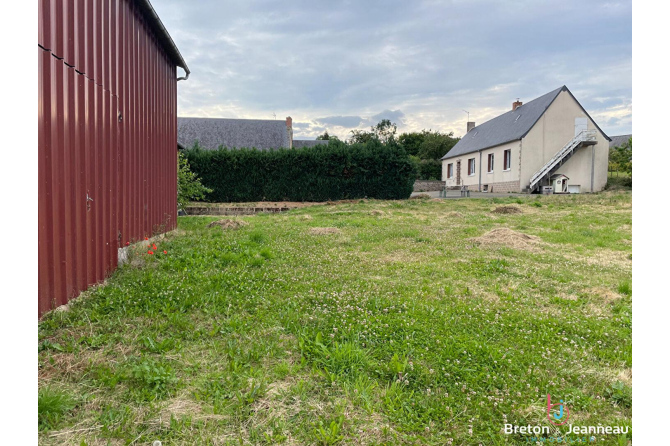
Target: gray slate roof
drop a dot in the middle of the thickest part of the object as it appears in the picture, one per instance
(510, 126)
(619, 140)
(232, 133)
(299, 143)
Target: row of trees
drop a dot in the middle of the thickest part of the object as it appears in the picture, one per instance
(621, 158)
(425, 148)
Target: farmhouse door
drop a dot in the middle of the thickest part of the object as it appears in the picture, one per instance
(458, 173)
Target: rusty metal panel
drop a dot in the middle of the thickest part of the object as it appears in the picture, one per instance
(107, 140)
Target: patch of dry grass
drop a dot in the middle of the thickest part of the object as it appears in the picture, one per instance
(324, 231)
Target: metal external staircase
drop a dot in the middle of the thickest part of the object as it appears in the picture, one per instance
(584, 138)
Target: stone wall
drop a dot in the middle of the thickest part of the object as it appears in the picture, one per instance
(224, 210)
(498, 188)
(428, 185)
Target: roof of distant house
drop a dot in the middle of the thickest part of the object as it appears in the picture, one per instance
(619, 140)
(510, 126)
(298, 143)
(211, 133)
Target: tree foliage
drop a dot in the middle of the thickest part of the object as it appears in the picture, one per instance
(384, 132)
(621, 157)
(435, 145)
(327, 137)
(412, 141)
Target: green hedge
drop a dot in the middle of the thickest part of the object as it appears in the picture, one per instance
(330, 172)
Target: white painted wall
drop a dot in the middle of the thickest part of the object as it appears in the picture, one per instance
(497, 176)
(552, 131)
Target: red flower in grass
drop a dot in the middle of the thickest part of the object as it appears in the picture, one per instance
(146, 238)
(127, 243)
(150, 253)
(154, 246)
(164, 252)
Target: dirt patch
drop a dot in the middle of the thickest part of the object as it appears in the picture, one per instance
(305, 217)
(509, 238)
(324, 231)
(378, 213)
(507, 210)
(420, 197)
(227, 223)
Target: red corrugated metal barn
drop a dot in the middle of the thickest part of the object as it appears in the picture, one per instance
(107, 124)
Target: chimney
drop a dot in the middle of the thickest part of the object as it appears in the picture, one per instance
(471, 125)
(516, 104)
(289, 130)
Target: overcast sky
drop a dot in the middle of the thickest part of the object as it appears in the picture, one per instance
(341, 65)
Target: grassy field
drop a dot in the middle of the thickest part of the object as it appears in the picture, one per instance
(375, 322)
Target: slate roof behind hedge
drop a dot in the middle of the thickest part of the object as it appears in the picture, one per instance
(211, 133)
(619, 140)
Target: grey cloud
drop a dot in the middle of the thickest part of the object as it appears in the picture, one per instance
(395, 116)
(341, 121)
(429, 59)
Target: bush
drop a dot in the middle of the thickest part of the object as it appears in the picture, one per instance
(329, 172)
(189, 187)
(618, 183)
(429, 170)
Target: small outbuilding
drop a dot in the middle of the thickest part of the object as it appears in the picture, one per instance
(559, 183)
(107, 133)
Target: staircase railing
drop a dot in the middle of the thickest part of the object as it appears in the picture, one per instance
(583, 136)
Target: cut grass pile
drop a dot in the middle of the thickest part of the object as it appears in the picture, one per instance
(509, 238)
(412, 322)
(227, 223)
(507, 210)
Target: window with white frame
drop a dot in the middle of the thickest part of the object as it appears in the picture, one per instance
(507, 162)
(471, 166)
(490, 163)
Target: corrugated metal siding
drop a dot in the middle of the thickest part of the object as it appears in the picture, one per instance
(107, 141)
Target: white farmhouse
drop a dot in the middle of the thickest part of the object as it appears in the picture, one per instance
(549, 141)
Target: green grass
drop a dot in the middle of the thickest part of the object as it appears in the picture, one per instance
(398, 329)
(52, 407)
